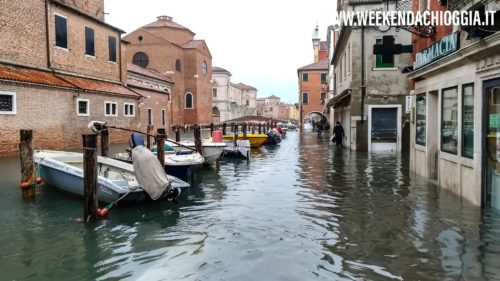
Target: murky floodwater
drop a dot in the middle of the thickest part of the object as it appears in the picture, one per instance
(299, 211)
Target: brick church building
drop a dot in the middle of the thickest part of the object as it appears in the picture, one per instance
(170, 49)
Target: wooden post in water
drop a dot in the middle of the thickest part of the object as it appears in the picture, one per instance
(260, 128)
(235, 133)
(197, 139)
(150, 129)
(177, 133)
(89, 178)
(27, 163)
(160, 145)
(104, 141)
(244, 129)
(211, 129)
(253, 128)
(224, 128)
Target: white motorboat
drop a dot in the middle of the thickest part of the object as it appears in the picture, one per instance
(211, 150)
(64, 171)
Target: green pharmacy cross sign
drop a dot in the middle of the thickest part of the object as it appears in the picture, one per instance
(388, 49)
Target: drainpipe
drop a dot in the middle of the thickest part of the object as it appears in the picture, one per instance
(363, 87)
(47, 37)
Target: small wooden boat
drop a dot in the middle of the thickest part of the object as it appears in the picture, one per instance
(256, 140)
(64, 171)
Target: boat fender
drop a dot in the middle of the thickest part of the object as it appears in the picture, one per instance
(27, 184)
(103, 212)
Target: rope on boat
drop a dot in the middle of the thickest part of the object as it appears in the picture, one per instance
(105, 211)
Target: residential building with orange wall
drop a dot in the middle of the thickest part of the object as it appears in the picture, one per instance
(171, 50)
(313, 88)
(313, 81)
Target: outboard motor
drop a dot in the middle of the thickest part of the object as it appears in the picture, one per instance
(173, 193)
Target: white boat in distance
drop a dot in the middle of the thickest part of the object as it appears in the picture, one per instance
(211, 150)
(64, 171)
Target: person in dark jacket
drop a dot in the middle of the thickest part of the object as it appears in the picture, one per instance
(338, 133)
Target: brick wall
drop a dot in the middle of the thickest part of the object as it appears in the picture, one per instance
(162, 58)
(22, 23)
(156, 101)
(93, 8)
(51, 114)
(74, 59)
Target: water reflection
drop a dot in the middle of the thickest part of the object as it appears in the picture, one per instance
(301, 210)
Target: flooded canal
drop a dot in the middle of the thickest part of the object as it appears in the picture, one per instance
(302, 210)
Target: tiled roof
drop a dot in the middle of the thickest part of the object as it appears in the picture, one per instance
(250, 118)
(193, 44)
(147, 72)
(166, 21)
(35, 76)
(243, 87)
(99, 86)
(216, 69)
(320, 65)
(20, 74)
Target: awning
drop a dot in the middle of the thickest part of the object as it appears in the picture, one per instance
(338, 98)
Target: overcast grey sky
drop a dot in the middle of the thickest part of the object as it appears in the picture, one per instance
(261, 42)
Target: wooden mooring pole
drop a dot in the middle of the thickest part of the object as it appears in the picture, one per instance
(89, 178)
(177, 133)
(244, 129)
(27, 164)
(104, 141)
(260, 128)
(224, 128)
(235, 132)
(150, 129)
(197, 139)
(160, 145)
(211, 129)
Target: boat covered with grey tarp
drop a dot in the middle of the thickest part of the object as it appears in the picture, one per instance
(64, 170)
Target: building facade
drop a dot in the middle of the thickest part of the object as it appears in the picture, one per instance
(171, 50)
(456, 105)
(155, 106)
(369, 91)
(60, 68)
(269, 107)
(313, 83)
(232, 100)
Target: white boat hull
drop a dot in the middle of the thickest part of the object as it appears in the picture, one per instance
(63, 170)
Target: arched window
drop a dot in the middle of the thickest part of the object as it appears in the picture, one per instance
(204, 68)
(189, 101)
(140, 59)
(178, 65)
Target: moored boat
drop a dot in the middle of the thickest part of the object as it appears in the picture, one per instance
(256, 140)
(211, 150)
(64, 171)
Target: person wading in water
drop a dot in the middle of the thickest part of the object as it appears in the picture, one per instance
(338, 133)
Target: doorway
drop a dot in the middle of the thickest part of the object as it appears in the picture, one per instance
(491, 145)
(384, 128)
